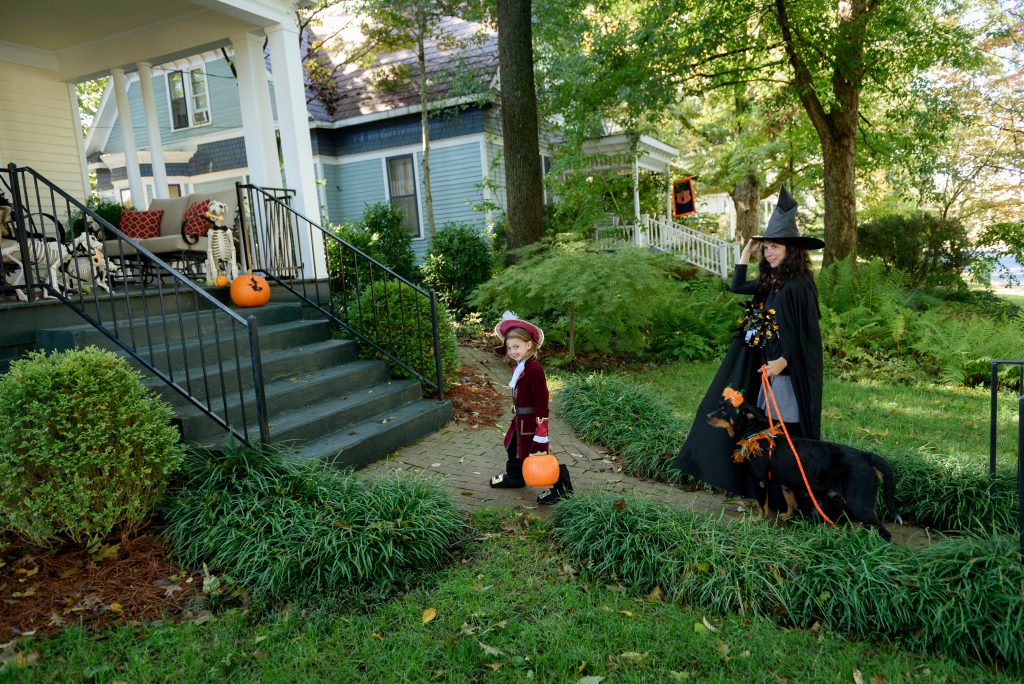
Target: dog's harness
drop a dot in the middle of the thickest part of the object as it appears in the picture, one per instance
(752, 447)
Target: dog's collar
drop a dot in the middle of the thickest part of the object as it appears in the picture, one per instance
(751, 447)
(216, 227)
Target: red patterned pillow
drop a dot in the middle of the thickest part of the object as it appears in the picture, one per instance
(195, 220)
(140, 225)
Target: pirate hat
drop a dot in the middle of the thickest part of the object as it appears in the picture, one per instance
(511, 320)
(782, 228)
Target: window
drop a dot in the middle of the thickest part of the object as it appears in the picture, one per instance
(190, 101)
(402, 188)
(126, 198)
(545, 164)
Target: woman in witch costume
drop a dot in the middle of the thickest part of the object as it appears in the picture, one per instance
(779, 333)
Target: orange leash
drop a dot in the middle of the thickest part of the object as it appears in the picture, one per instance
(766, 386)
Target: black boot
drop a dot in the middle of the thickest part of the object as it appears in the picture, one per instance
(561, 489)
(512, 478)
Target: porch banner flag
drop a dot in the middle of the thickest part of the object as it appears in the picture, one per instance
(683, 199)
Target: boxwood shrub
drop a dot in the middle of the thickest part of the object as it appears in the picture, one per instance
(84, 448)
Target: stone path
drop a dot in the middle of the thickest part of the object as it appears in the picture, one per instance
(463, 458)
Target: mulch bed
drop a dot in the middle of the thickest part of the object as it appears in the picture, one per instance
(475, 400)
(127, 581)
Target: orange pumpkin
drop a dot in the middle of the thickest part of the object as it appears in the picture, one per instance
(540, 470)
(222, 280)
(250, 290)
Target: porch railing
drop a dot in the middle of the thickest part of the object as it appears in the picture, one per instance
(705, 251)
(365, 298)
(996, 365)
(60, 249)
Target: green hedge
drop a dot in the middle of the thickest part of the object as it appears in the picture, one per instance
(962, 597)
(304, 531)
(636, 426)
(85, 449)
(642, 433)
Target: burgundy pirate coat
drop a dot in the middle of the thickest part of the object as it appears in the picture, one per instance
(530, 392)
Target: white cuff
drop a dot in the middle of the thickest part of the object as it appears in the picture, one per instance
(541, 440)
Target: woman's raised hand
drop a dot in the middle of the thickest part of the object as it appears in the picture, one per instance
(747, 251)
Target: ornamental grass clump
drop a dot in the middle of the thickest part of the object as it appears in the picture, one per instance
(85, 449)
(635, 425)
(962, 597)
(286, 530)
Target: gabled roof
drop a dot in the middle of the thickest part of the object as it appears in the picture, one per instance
(356, 94)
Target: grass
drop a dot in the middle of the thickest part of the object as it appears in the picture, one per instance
(951, 423)
(516, 610)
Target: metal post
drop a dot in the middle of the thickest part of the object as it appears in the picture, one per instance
(257, 380)
(1020, 463)
(992, 427)
(19, 212)
(437, 345)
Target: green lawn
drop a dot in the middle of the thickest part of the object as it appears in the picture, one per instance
(513, 610)
(933, 421)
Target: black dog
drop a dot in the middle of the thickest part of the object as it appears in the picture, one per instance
(842, 474)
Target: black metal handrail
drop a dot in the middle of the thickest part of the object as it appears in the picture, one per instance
(1020, 435)
(198, 346)
(292, 250)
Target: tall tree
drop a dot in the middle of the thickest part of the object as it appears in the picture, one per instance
(416, 25)
(523, 175)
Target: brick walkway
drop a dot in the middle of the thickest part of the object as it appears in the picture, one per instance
(464, 458)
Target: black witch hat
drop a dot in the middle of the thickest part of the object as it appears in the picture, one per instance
(782, 228)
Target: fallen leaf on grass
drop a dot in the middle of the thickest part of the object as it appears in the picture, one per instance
(105, 551)
(377, 636)
(656, 594)
(858, 678)
(27, 573)
(590, 679)
(21, 660)
(707, 624)
(170, 589)
(494, 666)
(723, 650)
(428, 615)
(633, 655)
(116, 608)
(31, 591)
(490, 650)
(627, 613)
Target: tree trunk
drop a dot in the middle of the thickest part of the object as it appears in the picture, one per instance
(840, 202)
(428, 198)
(523, 179)
(746, 196)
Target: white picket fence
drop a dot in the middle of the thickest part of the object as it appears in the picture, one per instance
(704, 251)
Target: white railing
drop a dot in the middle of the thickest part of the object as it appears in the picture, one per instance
(702, 250)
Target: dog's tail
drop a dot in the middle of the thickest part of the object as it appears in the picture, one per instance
(884, 472)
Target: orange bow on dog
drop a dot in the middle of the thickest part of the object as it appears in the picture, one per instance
(732, 396)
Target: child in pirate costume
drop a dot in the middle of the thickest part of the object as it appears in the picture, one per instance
(780, 333)
(528, 433)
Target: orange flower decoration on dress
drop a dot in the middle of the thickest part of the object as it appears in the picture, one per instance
(732, 396)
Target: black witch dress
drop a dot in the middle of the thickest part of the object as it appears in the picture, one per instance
(706, 454)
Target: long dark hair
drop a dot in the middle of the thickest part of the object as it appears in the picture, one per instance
(797, 262)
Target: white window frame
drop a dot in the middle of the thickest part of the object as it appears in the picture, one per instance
(193, 113)
(418, 235)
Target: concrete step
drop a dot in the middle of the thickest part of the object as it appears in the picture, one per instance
(309, 404)
(379, 435)
(161, 327)
(174, 355)
(341, 412)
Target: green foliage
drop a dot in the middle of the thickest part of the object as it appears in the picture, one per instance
(397, 318)
(458, 260)
(1003, 239)
(107, 209)
(84, 448)
(929, 249)
(379, 234)
(638, 428)
(596, 302)
(961, 597)
(585, 197)
(642, 432)
(696, 322)
(288, 531)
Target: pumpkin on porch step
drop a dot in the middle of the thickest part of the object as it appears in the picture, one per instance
(250, 290)
(540, 470)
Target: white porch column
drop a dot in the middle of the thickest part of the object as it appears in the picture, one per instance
(670, 201)
(131, 153)
(257, 116)
(293, 117)
(156, 146)
(636, 191)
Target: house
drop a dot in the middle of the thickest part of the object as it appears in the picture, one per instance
(224, 371)
(366, 143)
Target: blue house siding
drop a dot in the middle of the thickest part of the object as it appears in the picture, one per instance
(395, 132)
(350, 187)
(455, 178)
(225, 111)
